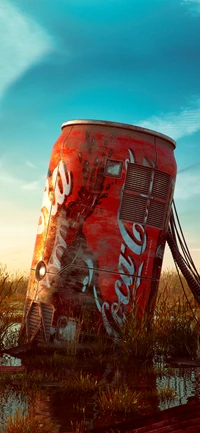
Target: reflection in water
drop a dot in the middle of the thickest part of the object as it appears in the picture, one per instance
(185, 384)
(65, 410)
(11, 401)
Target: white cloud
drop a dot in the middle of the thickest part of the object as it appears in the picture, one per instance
(194, 4)
(32, 186)
(23, 43)
(175, 125)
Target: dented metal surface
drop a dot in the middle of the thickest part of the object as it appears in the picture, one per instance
(102, 228)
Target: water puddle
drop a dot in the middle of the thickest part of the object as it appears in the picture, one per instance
(170, 387)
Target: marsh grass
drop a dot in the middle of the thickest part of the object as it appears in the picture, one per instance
(51, 362)
(12, 296)
(30, 383)
(166, 394)
(176, 327)
(118, 399)
(171, 288)
(82, 383)
(102, 347)
(162, 395)
(136, 338)
(21, 422)
(171, 332)
(24, 383)
(79, 425)
(161, 370)
(13, 286)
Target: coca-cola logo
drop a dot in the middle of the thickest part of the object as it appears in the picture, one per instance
(130, 273)
(57, 187)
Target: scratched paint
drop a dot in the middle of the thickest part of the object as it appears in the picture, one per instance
(103, 220)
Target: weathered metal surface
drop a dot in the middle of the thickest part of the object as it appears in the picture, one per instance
(102, 227)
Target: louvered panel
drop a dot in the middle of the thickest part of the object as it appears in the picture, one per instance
(33, 319)
(39, 324)
(40, 336)
(161, 185)
(47, 316)
(138, 178)
(156, 214)
(133, 208)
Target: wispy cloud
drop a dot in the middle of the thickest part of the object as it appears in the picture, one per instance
(189, 168)
(194, 4)
(8, 180)
(23, 43)
(197, 2)
(30, 164)
(32, 186)
(187, 185)
(176, 125)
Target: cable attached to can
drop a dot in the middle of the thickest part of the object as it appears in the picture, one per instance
(176, 241)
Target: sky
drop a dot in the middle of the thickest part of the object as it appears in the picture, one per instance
(128, 61)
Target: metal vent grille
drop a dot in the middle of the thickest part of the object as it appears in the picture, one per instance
(161, 185)
(133, 208)
(33, 320)
(138, 178)
(145, 195)
(156, 214)
(39, 321)
(47, 317)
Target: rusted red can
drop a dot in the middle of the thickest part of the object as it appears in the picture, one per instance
(102, 228)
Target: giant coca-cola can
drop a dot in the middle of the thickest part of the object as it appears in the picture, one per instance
(102, 227)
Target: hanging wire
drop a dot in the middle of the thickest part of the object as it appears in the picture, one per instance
(179, 238)
(193, 267)
(189, 270)
(183, 288)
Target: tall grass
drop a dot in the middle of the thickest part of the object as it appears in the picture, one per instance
(178, 316)
(21, 422)
(173, 330)
(173, 289)
(176, 329)
(12, 296)
(118, 399)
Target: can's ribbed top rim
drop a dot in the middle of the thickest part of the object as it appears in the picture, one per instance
(121, 126)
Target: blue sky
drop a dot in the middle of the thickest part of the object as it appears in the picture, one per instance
(131, 61)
